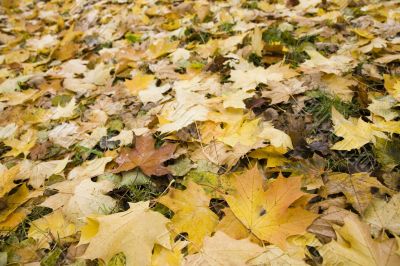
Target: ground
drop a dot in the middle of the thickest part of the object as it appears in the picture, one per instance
(199, 132)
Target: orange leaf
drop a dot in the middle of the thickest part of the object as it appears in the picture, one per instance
(267, 214)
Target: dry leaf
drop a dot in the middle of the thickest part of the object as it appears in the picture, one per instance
(191, 205)
(133, 232)
(266, 213)
(145, 156)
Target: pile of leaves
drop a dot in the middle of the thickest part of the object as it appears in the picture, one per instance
(199, 132)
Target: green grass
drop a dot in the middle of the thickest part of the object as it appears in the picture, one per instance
(320, 106)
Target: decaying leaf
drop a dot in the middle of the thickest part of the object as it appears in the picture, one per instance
(246, 132)
(358, 188)
(384, 215)
(355, 246)
(145, 156)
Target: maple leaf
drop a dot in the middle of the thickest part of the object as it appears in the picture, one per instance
(383, 107)
(392, 86)
(274, 256)
(191, 205)
(8, 131)
(88, 198)
(336, 64)
(274, 155)
(354, 246)
(249, 78)
(355, 133)
(188, 107)
(13, 220)
(64, 112)
(220, 249)
(266, 213)
(231, 226)
(384, 215)
(89, 169)
(356, 187)
(281, 91)
(7, 177)
(153, 93)
(51, 226)
(339, 86)
(145, 156)
(21, 145)
(133, 232)
(13, 201)
(65, 191)
(161, 47)
(37, 172)
(168, 257)
(138, 83)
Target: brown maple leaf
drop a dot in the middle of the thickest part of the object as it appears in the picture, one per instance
(145, 156)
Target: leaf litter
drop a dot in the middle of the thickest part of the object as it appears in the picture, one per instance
(199, 132)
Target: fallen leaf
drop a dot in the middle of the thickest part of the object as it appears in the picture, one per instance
(220, 249)
(38, 172)
(145, 156)
(89, 169)
(383, 215)
(89, 199)
(133, 232)
(7, 177)
(191, 205)
(138, 83)
(356, 187)
(355, 132)
(166, 257)
(51, 227)
(22, 145)
(266, 213)
(355, 246)
(392, 86)
(383, 107)
(13, 201)
(274, 256)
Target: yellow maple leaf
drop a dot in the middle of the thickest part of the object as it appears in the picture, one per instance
(245, 133)
(339, 86)
(274, 155)
(13, 220)
(221, 249)
(257, 42)
(355, 132)
(384, 215)
(392, 85)
(51, 226)
(356, 187)
(161, 47)
(192, 214)
(7, 177)
(354, 246)
(231, 226)
(133, 232)
(139, 82)
(166, 257)
(13, 201)
(266, 213)
(382, 106)
(21, 145)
